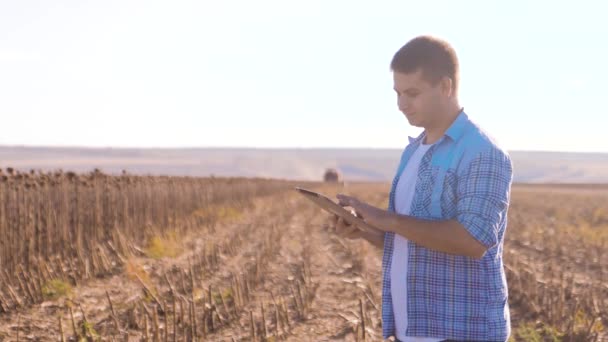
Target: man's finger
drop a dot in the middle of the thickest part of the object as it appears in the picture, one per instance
(344, 223)
(347, 201)
(353, 234)
(350, 233)
(341, 224)
(344, 200)
(341, 228)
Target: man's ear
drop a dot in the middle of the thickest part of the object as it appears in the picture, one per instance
(446, 86)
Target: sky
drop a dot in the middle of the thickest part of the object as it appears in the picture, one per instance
(266, 73)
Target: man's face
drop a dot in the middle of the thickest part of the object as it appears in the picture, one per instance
(417, 98)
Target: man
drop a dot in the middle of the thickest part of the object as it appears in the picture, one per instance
(443, 233)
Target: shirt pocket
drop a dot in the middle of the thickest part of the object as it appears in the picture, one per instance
(448, 196)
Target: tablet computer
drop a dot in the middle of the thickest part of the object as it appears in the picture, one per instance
(334, 208)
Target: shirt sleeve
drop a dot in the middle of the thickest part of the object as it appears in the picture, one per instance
(483, 195)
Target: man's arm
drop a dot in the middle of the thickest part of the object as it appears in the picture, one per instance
(443, 236)
(375, 238)
(346, 230)
(482, 203)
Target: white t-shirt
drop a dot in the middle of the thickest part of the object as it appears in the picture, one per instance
(404, 194)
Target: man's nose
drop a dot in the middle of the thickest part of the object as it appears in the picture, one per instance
(402, 103)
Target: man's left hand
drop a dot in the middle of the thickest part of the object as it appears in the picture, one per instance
(368, 213)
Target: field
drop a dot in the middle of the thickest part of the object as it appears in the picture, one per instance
(97, 257)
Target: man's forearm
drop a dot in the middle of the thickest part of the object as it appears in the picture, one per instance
(447, 236)
(376, 238)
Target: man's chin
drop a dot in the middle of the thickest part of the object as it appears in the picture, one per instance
(414, 122)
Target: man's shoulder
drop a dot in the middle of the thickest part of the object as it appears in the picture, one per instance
(478, 142)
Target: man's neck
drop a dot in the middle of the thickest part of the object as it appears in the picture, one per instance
(433, 134)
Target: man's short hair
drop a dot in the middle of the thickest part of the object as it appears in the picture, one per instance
(433, 56)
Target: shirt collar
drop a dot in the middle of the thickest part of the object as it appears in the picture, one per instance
(455, 130)
(458, 127)
(417, 139)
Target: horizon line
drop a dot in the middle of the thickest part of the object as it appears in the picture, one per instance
(258, 148)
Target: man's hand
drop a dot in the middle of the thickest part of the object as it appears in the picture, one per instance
(370, 214)
(344, 229)
(447, 236)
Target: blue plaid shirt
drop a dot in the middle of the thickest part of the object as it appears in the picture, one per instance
(464, 176)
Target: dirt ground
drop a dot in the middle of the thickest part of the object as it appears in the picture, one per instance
(284, 237)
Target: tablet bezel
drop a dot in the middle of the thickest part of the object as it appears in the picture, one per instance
(334, 208)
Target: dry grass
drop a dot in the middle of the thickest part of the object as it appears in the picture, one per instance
(556, 262)
(55, 289)
(167, 246)
(202, 260)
